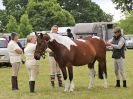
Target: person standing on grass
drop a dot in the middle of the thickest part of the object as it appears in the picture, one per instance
(15, 59)
(118, 44)
(55, 70)
(31, 63)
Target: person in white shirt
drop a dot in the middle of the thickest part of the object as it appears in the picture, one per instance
(54, 67)
(31, 63)
(15, 59)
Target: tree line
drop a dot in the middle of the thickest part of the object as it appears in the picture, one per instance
(126, 6)
(25, 16)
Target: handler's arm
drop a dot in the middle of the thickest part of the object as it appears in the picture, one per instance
(120, 44)
(18, 51)
(111, 40)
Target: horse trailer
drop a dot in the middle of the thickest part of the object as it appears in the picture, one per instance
(103, 30)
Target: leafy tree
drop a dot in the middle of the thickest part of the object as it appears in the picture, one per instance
(12, 25)
(84, 10)
(124, 5)
(25, 26)
(127, 24)
(44, 14)
(3, 20)
(15, 8)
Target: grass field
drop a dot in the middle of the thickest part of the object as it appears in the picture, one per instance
(81, 80)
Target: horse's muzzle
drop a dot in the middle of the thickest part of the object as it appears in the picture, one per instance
(37, 57)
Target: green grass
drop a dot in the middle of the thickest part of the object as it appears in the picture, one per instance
(81, 80)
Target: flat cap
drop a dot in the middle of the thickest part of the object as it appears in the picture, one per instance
(117, 29)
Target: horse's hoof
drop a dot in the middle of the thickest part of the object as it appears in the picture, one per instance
(89, 87)
(71, 90)
(105, 85)
(66, 90)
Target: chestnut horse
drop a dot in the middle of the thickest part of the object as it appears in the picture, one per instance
(70, 53)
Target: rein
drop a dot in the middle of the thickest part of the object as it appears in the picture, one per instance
(44, 51)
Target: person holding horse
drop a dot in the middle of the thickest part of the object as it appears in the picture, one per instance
(15, 59)
(118, 44)
(55, 70)
(31, 63)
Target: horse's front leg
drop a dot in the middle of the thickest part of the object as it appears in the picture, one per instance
(92, 75)
(70, 71)
(64, 72)
(105, 81)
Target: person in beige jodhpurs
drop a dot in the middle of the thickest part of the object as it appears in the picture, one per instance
(55, 70)
(31, 63)
(15, 59)
(118, 44)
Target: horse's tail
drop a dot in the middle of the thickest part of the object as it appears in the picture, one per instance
(102, 70)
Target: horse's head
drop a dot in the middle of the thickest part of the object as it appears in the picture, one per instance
(42, 44)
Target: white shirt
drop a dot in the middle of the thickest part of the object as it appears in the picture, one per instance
(14, 56)
(29, 54)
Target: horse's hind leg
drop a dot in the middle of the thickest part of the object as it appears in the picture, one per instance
(70, 71)
(64, 72)
(103, 71)
(92, 75)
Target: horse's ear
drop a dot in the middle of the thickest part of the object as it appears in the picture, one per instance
(36, 34)
(41, 35)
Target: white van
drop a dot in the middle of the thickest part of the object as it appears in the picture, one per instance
(129, 41)
(4, 55)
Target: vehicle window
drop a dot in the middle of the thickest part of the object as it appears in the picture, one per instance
(3, 44)
(129, 38)
(22, 42)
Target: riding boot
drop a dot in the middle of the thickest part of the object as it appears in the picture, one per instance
(59, 80)
(52, 78)
(14, 83)
(117, 83)
(17, 83)
(124, 83)
(32, 86)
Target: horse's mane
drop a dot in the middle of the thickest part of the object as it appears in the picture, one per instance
(64, 40)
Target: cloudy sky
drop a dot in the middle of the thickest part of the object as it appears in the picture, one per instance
(106, 5)
(1, 5)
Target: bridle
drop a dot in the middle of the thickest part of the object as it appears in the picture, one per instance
(43, 51)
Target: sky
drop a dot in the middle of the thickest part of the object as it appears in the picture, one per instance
(1, 5)
(109, 7)
(106, 5)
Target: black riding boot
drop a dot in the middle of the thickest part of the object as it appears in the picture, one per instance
(14, 83)
(117, 83)
(124, 83)
(32, 86)
(52, 78)
(59, 80)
